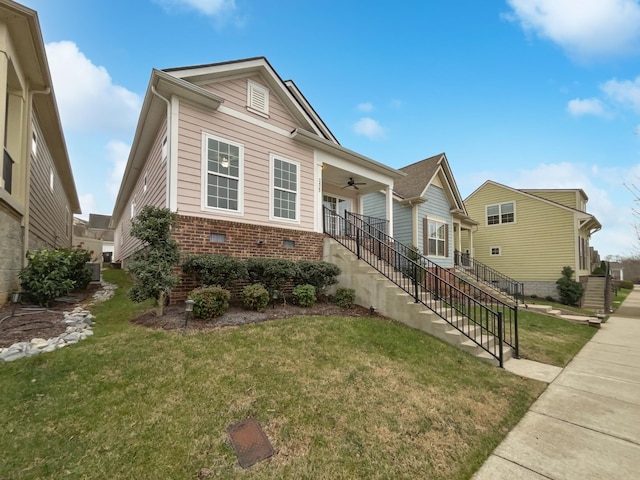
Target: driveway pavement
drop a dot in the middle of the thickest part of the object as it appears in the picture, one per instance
(586, 425)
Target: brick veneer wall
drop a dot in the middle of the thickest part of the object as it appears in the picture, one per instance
(242, 241)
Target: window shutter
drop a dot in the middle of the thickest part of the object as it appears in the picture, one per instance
(425, 236)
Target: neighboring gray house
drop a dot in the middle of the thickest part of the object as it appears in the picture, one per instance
(428, 211)
(94, 235)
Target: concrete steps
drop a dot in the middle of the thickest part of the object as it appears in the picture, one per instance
(375, 290)
(594, 294)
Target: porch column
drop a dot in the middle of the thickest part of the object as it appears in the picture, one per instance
(389, 195)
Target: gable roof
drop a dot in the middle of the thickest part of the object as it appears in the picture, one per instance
(586, 218)
(25, 32)
(421, 174)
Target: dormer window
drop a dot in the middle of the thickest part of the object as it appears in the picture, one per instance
(257, 98)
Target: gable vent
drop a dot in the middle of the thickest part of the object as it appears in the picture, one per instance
(258, 98)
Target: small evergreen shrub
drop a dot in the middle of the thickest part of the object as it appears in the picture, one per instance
(255, 297)
(345, 297)
(318, 274)
(569, 290)
(209, 301)
(305, 295)
(625, 284)
(273, 273)
(211, 269)
(549, 298)
(52, 273)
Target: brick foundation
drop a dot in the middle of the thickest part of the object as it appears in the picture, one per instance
(242, 241)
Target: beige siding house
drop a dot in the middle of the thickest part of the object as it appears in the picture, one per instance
(245, 162)
(37, 192)
(530, 235)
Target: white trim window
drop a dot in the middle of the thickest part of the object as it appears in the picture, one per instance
(501, 213)
(51, 177)
(133, 208)
(222, 182)
(285, 188)
(165, 149)
(495, 251)
(437, 238)
(257, 98)
(34, 141)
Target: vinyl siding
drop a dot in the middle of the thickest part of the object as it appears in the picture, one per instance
(568, 198)
(155, 169)
(258, 144)
(402, 222)
(234, 93)
(50, 218)
(375, 205)
(535, 247)
(436, 207)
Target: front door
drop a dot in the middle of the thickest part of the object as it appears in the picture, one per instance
(336, 206)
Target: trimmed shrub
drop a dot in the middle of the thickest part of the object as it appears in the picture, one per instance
(52, 273)
(318, 274)
(211, 269)
(345, 297)
(304, 295)
(273, 273)
(625, 284)
(209, 301)
(255, 297)
(569, 290)
(549, 298)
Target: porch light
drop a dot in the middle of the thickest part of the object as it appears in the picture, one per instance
(224, 162)
(188, 308)
(15, 299)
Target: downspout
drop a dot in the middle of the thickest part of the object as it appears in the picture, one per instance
(168, 133)
(27, 172)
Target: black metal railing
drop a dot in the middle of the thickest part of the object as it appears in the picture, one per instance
(489, 276)
(7, 171)
(486, 320)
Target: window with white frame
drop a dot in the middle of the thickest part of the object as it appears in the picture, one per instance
(144, 185)
(133, 208)
(285, 181)
(437, 238)
(51, 179)
(34, 142)
(164, 148)
(223, 162)
(501, 213)
(257, 98)
(495, 251)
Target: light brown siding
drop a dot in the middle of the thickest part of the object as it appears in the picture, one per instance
(258, 144)
(155, 169)
(568, 198)
(50, 219)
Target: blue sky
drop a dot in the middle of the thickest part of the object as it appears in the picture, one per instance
(529, 93)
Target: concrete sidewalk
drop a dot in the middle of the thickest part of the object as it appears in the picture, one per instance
(586, 425)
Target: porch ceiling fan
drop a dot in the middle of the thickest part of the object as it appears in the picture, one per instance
(353, 183)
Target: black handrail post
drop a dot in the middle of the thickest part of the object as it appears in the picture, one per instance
(415, 282)
(500, 327)
(358, 243)
(515, 331)
(324, 219)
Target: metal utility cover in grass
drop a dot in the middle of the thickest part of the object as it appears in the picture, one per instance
(250, 442)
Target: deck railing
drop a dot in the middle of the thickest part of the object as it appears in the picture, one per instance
(486, 320)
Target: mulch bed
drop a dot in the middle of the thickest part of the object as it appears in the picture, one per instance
(32, 321)
(174, 316)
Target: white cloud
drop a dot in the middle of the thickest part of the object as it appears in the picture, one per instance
(88, 205)
(586, 106)
(369, 128)
(117, 154)
(626, 92)
(365, 107)
(210, 8)
(583, 28)
(87, 98)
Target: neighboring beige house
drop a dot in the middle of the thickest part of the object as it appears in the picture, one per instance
(531, 234)
(245, 162)
(37, 192)
(94, 235)
(428, 211)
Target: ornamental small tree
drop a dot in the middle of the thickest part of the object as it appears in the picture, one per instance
(152, 266)
(569, 290)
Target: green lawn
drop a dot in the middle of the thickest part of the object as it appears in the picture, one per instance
(338, 398)
(620, 296)
(550, 340)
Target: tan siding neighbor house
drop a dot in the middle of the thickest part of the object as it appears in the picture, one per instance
(530, 235)
(37, 192)
(243, 159)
